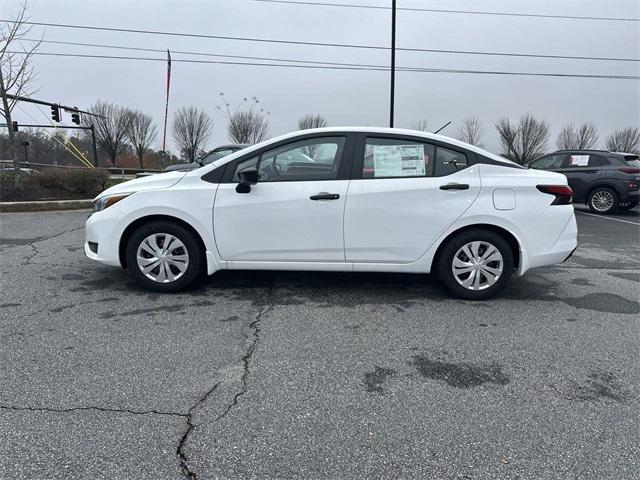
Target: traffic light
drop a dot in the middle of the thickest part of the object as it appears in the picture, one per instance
(55, 113)
(14, 125)
(75, 118)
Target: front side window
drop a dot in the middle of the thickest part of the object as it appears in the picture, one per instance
(251, 162)
(550, 161)
(386, 158)
(312, 159)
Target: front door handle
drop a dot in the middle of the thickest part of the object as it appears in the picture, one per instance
(325, 196)
(454, 186)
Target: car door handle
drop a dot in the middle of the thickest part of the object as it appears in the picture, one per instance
(325, 196)
(454, 186)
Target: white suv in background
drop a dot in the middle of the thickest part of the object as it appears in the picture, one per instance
(340, 199)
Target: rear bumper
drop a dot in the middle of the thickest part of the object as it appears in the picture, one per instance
(558, 252)
(633, 196)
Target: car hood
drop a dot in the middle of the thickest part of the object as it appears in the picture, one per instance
(152, 182)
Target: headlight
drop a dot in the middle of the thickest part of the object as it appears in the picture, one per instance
(108, 200)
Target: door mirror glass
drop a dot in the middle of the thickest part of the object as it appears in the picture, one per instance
(248, 176)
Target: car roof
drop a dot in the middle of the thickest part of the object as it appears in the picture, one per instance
(593, 150)
(401, 131)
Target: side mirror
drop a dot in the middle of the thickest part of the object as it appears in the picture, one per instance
(249, 176)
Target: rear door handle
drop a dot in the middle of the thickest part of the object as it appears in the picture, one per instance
(454, 186)
(325, 196)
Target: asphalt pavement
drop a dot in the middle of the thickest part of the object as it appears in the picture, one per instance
(317, 375)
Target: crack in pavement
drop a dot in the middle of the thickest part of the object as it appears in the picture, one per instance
(190, 426)
(35, 252)
(246, 359)
(255, 326)
(100, 409)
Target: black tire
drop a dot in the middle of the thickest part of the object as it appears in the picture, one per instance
(628, 206)
(454, 245)
(596, 203)
(195, 256)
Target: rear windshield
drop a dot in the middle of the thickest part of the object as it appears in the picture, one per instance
(629, 161)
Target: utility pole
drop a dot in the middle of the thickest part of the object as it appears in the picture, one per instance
(393, 62)
(95, 150)
(25, 144)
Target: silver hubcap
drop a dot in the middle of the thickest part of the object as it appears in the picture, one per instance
(477, 265)
(602, 200)
(162, 258)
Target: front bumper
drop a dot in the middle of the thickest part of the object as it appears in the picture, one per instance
(102, 228)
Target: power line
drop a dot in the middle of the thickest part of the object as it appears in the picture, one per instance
(198, 35)
(439, 10)
(354, 67)
(317, 44)
(425, 50)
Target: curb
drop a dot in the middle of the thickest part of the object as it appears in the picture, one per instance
(46, 205)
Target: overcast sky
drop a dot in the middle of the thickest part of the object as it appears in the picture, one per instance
(349, 97)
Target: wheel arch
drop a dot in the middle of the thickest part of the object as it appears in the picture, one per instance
(510, 238)
(603, 184)
(128, 231)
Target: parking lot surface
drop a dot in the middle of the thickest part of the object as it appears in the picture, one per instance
(317, 375)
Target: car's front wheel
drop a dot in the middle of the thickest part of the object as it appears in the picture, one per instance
(476, 264)
(603, 200)
(163, 256)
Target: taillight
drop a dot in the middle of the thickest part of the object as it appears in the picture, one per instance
(563, 193)
(629, 170)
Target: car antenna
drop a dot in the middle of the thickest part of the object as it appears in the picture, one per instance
(442, 127)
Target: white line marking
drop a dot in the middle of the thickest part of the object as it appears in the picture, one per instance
(607, 218)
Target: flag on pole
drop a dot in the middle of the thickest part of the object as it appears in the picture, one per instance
(166, 108)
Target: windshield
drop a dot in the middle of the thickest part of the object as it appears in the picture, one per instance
(216, 155)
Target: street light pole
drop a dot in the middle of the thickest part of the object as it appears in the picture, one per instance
(393, 62)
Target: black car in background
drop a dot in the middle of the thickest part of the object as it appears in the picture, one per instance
(212, 156)
(604, 180)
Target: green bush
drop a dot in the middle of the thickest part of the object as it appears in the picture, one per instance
(88, 181)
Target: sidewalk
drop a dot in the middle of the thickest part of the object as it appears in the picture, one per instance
(44, 205)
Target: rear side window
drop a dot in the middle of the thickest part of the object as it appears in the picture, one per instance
(449, 161)
(391, 158)
(550, 161)
(579, 161)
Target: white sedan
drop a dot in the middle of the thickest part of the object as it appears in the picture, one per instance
(340, 199)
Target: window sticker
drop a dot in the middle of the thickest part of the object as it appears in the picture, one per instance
(579, 160)
(398, 160)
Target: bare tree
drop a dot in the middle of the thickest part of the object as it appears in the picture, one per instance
(311, 121)
(421, 125)
(624, 140)
(111, 123)
(471, 131)
(245, 124)
(525, 140)
(583, 137)
(141, 133)
(192, 130)
(17, 74)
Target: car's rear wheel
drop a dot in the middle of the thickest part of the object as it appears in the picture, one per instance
(164, 256)
(476, 264)
(603, 200)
